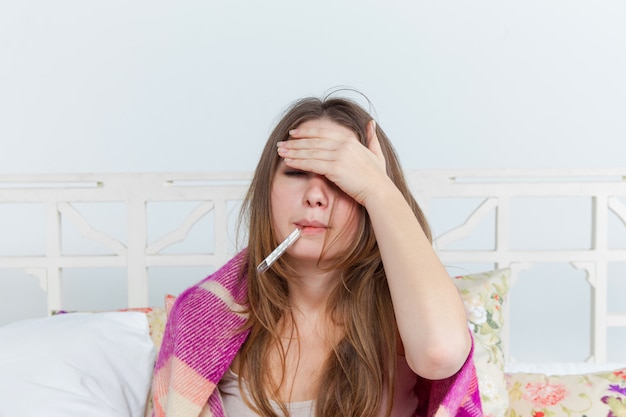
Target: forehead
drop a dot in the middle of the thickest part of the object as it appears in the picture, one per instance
(324, 123)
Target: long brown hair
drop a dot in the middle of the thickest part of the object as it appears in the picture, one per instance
(361, 371)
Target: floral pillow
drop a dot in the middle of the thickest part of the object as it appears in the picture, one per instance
(600, 394)
(483, 295)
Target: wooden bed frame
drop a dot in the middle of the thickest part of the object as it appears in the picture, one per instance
(483, 197)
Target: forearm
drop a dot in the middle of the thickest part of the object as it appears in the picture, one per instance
(429, 311)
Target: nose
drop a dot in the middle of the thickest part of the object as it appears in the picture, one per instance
(317, 192)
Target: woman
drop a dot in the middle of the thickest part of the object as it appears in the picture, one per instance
(357, 318)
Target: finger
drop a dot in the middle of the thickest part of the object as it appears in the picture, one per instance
(307, 149)
(306, 153)
(308, 143)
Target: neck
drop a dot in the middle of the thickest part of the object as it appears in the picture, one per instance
(310, 290)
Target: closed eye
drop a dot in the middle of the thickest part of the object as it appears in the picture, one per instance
(294, 172)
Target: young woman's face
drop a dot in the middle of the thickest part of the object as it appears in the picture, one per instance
(310, 202)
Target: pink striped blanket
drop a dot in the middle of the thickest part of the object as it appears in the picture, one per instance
(200, 343)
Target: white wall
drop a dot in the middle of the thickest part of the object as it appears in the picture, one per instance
(90, 86)
(191, 85)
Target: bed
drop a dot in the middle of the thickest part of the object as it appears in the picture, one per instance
(90, 262)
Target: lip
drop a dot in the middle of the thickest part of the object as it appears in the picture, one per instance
(311, 226)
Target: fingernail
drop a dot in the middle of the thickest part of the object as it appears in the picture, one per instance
(293, 132)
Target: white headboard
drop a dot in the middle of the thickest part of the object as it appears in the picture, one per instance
(498, 190)
(475, 216)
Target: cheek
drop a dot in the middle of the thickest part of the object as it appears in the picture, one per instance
(278, 197)
(280, 202)
(274, 204)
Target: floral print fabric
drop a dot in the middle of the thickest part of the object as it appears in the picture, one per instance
(484, 295)
(601, 394)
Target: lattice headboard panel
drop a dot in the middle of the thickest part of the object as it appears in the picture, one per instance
(60, 194)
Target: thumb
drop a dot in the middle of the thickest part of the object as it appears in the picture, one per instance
(372, 141)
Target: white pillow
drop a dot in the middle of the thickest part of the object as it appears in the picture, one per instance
(79, 364)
